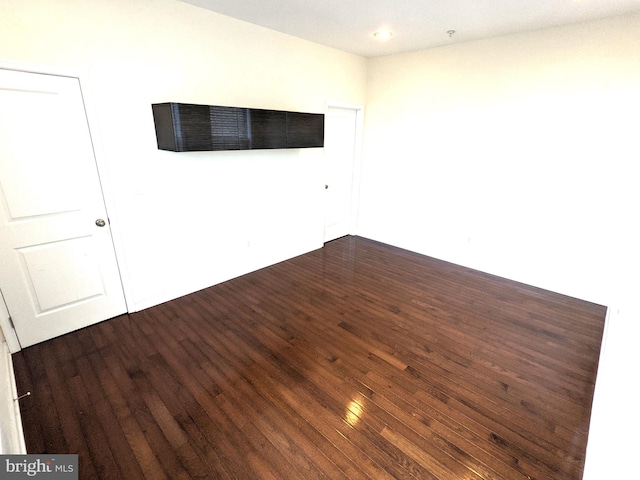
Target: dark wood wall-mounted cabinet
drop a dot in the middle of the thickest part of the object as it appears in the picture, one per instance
(182, 127)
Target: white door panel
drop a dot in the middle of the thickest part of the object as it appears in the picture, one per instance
(340, 141)
(59, 271)
(62, 273)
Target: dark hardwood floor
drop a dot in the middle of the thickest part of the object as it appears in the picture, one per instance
(358, 360)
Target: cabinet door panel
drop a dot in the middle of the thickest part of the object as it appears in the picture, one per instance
(305, 130)
(268, 129)
(193, 132)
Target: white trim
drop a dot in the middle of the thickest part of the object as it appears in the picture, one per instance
(45, 69)
(357, 160)
(7, 332)
(11, 433)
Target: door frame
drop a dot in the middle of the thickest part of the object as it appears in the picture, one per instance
(82, 76)
(357, 160)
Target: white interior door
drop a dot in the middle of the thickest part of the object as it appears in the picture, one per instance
(340, 152)
(59, 271)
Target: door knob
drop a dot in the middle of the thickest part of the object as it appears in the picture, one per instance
(100, 222)
(326, 186)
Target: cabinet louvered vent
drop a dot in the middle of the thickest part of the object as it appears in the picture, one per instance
(182, 127)
(229, 128)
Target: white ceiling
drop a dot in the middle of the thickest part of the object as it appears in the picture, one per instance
(417, 24)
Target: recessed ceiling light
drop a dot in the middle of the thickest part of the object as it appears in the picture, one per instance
(383, 35)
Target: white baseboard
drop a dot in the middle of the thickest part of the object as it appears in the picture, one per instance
(11, 434)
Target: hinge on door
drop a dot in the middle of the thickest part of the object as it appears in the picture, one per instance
(11, 322)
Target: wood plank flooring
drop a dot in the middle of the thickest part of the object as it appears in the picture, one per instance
(355, 361)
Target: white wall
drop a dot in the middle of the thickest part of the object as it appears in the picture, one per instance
(184, 221)
(515, 155)
(519, 156)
